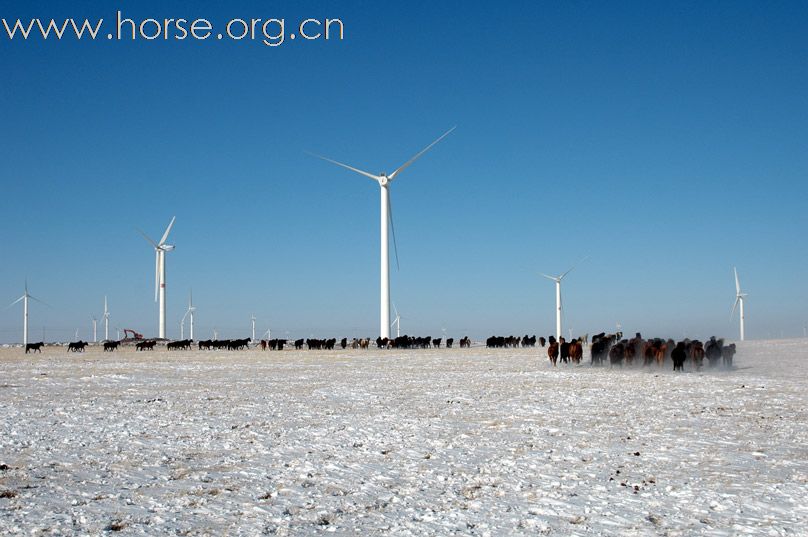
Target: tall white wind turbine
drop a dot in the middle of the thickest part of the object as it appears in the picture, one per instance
(386, 222)
(24, 299)
(190, 311)
(739, 298)
(252, 321)
(557, 280)
(106, 320)
(160, 249)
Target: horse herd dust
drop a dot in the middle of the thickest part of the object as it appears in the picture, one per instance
(473, 441)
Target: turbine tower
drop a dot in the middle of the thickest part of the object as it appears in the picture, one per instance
(386, 222)
(160, 249)
(95, 330)
(252, 321)
(106, 320)
(557, 280)
(24, 298)
(739, 297)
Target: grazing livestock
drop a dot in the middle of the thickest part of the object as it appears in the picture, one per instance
(728, 353)
(616, 354)
(343, 342)
(34, 347)
(449, 343)
(695, 352)
(679, 355)
(552, 352)
(183, 344)
(465, 342)
(714, 351)
(436, 342)
(110, 346)
(576, 351)
(145, 345)
(77, 346)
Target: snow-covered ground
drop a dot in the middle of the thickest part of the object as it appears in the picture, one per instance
(439, 442)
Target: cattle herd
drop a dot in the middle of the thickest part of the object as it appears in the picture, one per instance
(603, 348)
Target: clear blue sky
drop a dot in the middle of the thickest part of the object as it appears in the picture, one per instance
(667, 140)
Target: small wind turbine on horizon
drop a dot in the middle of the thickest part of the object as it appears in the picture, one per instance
(106, 320)
(95, 330)
(24, 298)
(160, 249)
(252, 321)
(190, 311)
(557, 280)
(739, 298)
(384, 180)
(397, 322)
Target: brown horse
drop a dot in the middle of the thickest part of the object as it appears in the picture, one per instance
(576, 351)
(552, 352)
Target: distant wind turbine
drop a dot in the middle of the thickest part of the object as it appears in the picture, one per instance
(739, 298)
(190, 311)
(24, 298)
(252, 321)
(95, 330)
(384, 181)
(106, 320)
(160, 249)
(557, 280)
(397, 322)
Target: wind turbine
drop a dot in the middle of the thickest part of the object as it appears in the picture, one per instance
(95, 330)
(252, 320)
(106, 320)
(396, 322)
(160, 249)
(739, 297)
(190, 311)
(24, 298)
(557, 280)
(386, 221)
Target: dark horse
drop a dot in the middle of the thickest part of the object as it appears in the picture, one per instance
(76, 346)
(110, 346)
(34, 347)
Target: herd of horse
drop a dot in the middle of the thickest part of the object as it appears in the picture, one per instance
(643, 352)
(603, 347)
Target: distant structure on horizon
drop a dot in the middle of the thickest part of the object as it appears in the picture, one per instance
(557, 280)
(24, 298)
(739, 298)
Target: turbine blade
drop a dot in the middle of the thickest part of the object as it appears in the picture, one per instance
(418, 155)
(392, 227)
(575, 265)
(156, 273)
(395, 309)
(16, 301)
(148, 239)
(40, 301)
(549, 277)
(735, 305)
(737, 283)
(356, 170)
(168, 230)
